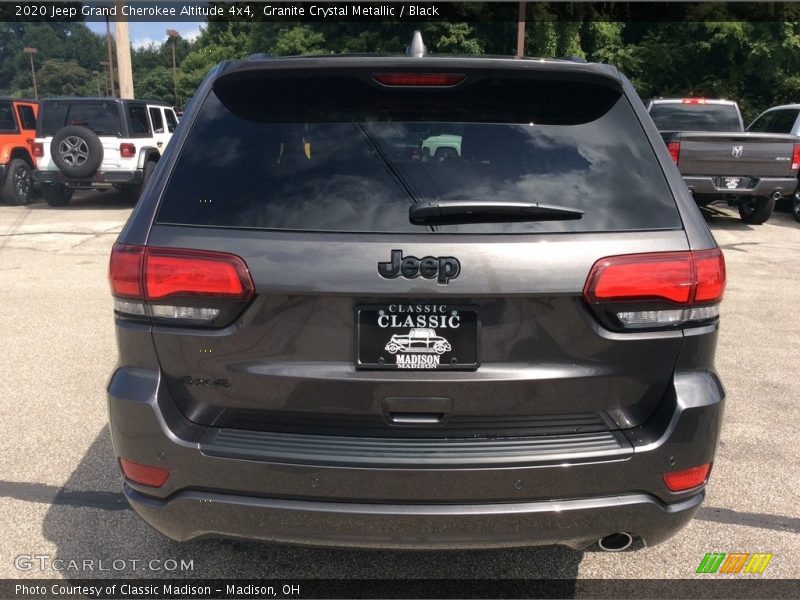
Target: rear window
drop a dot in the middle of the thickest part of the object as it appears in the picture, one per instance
(342, 154)
(695, 117)
(100, 117)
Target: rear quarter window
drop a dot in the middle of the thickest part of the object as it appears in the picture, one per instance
(26, 116)
(138, 123)
(341, 154)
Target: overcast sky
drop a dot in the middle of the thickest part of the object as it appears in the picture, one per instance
(143, 34)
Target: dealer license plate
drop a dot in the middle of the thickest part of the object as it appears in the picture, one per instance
(417, 335)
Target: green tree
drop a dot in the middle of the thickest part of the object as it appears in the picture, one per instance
(64, 78)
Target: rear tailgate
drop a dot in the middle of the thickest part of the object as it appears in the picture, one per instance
(308, 190)
(736, 154)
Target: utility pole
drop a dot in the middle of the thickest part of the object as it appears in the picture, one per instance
(110, 59)
(124, 55)
(174, 36)
(30, 52)
(521, 30)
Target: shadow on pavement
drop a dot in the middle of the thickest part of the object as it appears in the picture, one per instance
(83, 199)
(86, 521)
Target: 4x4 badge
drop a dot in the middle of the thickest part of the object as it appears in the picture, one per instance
(443, 268)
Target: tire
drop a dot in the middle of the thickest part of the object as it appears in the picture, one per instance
(77, 151)
(133, 192)
(439, 349)
(392, 348)
(756, 210)
(443, 154)
(56, 194)
(796, 208)
(149, 167)
(18, 184)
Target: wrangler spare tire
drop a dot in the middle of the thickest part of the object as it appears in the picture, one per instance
(77, 151)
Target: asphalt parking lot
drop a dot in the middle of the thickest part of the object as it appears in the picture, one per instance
(59, 484)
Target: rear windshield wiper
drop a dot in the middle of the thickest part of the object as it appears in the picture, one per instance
(455, 212)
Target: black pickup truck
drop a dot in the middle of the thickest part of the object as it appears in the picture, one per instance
(720, 161)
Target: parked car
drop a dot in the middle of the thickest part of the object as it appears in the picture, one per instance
(17, 130)
(442, 147)
(99, 143)
(719, 160)
(780, 119)
(281, 245)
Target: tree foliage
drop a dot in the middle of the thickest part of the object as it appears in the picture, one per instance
(754, 62)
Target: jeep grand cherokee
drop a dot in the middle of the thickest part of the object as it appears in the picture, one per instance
(281, 244)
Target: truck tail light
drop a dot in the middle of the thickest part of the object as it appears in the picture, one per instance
(179, 285)
(693, 101)
(796, 157)
(687, 479)
(127, 150)
(657, 290)
(674, 149)
(37, 149)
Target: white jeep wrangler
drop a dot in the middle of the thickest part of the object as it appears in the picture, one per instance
(99, 143)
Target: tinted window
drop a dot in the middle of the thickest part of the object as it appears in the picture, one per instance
(7, 123)
(100, 117)
(762, 123)
(158, 121)
(355, 163)
(172, 121)
(26, 116)
(780, 121)
(139, 125)
(695, 117)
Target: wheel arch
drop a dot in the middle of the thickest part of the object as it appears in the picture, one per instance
(22, 153)
(146, 154)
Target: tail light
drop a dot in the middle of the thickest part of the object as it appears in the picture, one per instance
(143, 474)
(179, 285)
(419, 79)
(693, 101)
(682, 481)
(657, 290)
(37, 149)
(127, 150)
(674, 149)
(796, 157)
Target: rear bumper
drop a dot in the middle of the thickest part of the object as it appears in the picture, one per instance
(347, 497)
(765, 186)
(575, 523)
(100, 179)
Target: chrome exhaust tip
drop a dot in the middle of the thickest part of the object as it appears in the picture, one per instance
(616, 542)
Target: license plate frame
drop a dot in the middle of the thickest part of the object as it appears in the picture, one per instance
(417, 336)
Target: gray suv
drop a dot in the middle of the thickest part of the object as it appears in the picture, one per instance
(283, 242)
